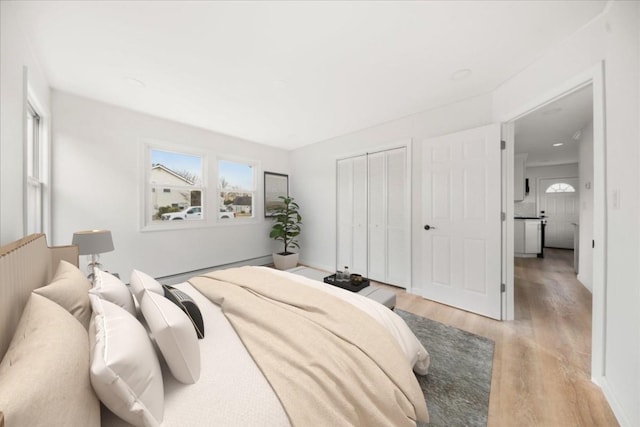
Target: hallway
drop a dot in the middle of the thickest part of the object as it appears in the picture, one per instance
(541, 369)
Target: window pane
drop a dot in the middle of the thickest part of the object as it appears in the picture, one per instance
(235, 176)
(560, 187)
(175, 168)
(240, 203)
(34, 207)
(33, 145)
(175, 189)
(177, 204)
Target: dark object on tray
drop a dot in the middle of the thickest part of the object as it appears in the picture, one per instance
(357, 282)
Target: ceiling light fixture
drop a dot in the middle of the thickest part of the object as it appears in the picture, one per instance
(558, 144)
(576, 136)
(461, 74)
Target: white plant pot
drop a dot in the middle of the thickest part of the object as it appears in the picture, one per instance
(285, 262)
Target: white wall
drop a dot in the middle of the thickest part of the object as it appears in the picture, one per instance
(97, 163)
(314, 171)
(16, 58)
(585, 252)
(613, 38)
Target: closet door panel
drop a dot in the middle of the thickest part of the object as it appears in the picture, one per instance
(344, 241)
(397, 259)
(397, 188)
(377, 217)
(359, 247)
(398, 256)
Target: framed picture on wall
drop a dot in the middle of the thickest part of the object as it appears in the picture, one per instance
(275, 185)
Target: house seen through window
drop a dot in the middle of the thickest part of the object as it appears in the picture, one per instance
(176, 186)
(236, 186)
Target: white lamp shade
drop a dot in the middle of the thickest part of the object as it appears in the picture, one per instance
(92, 242)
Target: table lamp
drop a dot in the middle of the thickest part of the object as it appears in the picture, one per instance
(93, 243)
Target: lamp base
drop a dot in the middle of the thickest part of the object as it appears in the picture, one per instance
(91, 267)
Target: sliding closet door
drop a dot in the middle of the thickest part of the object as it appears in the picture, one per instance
(389, 221)
(377, 217)
(373, 221)
(398, 219)
(352, 214)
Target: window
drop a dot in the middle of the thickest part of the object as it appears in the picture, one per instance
(236, 186)
(34, 197)
(560, 187)
(175, 187)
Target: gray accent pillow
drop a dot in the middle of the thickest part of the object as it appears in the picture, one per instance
(188, 305)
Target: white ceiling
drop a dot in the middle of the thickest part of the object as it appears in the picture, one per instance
(561, 121)
(289, 74)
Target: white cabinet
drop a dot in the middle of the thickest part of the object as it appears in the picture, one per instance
(518, 233)
(532, 234)
(519, 172)
(527, 237)
(374, 216)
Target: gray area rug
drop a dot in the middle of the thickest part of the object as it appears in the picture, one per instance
(458, 384)
(459, 381)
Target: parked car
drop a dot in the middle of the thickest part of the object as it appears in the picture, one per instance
(226, 214)
(190, 212)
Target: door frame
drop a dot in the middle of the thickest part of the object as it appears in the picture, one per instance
(593, 76)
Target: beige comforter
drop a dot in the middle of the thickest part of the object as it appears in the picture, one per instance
(328, 363)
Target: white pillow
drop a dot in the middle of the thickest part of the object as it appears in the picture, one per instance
(125, 372)
(175, 336)
(141, 281)
(112, 289)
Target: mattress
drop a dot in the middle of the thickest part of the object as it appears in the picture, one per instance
(231, 390)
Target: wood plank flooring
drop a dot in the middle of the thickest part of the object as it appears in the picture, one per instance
(541, 365)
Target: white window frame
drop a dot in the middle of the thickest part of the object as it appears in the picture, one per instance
(147, 224)
(560, 187)
(36, 197)
(254, 192)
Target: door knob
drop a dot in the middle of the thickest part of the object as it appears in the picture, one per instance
(428, 227)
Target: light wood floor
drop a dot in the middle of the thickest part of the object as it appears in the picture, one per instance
(541, 364)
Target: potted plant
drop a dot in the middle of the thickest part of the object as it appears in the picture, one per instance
(286, 229)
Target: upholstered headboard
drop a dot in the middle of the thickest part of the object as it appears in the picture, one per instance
(25, 265)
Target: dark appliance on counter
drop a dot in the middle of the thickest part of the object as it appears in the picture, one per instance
(543, 224)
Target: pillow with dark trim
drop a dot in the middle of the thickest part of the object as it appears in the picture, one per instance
(188, 305)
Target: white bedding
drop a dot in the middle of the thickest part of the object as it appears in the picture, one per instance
(231, 390)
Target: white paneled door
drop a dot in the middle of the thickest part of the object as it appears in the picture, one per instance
(559, 199)
(461, 235)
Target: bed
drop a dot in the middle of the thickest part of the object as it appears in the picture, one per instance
(277, 349)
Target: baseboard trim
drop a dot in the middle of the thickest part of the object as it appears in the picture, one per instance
(583, 282)
(609, 395)
(173, 279)
(303, 262)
